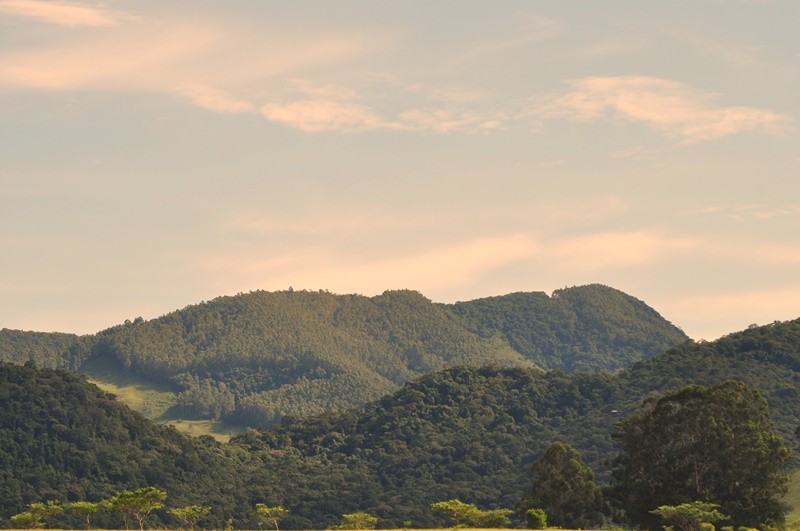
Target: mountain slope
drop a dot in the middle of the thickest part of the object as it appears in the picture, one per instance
(46, 349)
(250, 359)
(64, 439)
(583, 329)
(472, 433)
(466, 432)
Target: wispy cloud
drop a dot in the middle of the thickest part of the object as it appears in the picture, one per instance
(315, 116)
(63, 13)
(214, 65)
(668, 106)
(317, 108)
(215, 100)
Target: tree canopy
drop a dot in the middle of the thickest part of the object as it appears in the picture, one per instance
(564, 487)
(253, 358)
(468, 433)
(716, 444)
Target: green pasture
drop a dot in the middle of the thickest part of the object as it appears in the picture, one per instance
(154, 401)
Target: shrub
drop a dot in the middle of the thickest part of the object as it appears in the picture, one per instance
(537, 519)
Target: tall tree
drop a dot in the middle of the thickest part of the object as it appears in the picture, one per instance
(137, 504)
(190, 515)
(271, 515)
(84, 509)
(565, 488)
(715, 444)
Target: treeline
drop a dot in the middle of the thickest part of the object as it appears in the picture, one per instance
(254, 358)
(468, 433)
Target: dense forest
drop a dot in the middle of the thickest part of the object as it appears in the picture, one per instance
(253, 358)
(468, 433)
(587, 329)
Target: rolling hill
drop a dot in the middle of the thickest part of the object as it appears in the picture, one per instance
(250, 359)
(465, 432)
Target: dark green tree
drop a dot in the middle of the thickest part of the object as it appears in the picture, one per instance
(716, 444)
(565, 488)
(536, 518)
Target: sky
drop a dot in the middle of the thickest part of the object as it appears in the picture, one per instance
(158, 154)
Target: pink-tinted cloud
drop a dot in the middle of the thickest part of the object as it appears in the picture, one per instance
(62, 13)
(215, 100)
(668, 106)
(220, 68)
(315, 116)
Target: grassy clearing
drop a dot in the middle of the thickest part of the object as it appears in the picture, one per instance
(153, 401)
(219, 430)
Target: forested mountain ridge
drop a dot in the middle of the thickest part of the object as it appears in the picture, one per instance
(45, 349)
(590, 328)
(472, 433)
(467, 433)
(255, 357)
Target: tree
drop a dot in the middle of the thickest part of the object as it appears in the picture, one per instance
(84, 509)
(689, 516)
(359, 520)
(716, 444)
(27, 520)
(269, 515)
(190, 515)
(37, 515)
(492, 518)
(565, 488)
(137, 504)
(536, 518)
(460, 512)
(467, 514)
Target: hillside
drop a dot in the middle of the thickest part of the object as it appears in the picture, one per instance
(45, 349)
(467, 432)
(252, 358)
(584, 329)
(62, 438)
(472, 433)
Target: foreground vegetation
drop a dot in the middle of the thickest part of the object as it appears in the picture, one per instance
(471, 434)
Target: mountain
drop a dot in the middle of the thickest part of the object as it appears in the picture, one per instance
(253, 358)
(584, 329)
(466, 432)
(472, 433)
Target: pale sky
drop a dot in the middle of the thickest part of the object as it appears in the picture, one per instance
(154, 154)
